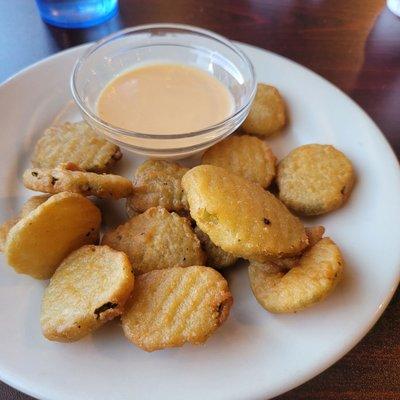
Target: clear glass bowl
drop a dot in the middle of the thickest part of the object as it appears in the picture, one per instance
(168, 43)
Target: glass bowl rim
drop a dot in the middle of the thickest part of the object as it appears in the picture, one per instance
(189, 28)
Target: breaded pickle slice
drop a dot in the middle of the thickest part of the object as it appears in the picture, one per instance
(314, 179)
(314, 235)
(89, 288)
(241, 217)
(216, 257)
(156, 239)
(37, 243)
(157, 183)
(67, 179)
(267, 113)
(246, 156)
(313, 277)
(76, 143)
(28, 206)
(173, 306)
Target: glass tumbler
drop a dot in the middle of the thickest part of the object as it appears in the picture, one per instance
(76, 13)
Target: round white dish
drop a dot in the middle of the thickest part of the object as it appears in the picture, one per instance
(254, 355)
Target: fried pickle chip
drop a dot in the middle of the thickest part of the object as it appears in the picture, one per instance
(67, 178)
(29, 206)
(76, 143)
(315, 179)
(267, 113)
(37, 243)
(156, 239)
(240, 216)
(246, 156)
(308, 282)
(89, 288)
(216, 257)
(32, 203)
(157, 183)
(4, 229)
(173, 306)
(314, 235)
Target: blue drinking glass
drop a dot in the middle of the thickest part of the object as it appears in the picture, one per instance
(76, 13)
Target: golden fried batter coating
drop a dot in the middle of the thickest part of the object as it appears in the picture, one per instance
(157, 183)
(173, 306)
(38, 242)
(89, 288)
(314, 235)
(308, 282)
(246, 156)
(315, 179)
(67, 179)
(216, 257)
(267, 114)
(32, 203)
(156, 239)
(29, 206)
(76, 143)
(241, 217)
(4, 229)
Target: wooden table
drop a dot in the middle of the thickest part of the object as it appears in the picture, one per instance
(355, 44)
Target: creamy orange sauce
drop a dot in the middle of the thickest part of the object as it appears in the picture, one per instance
(164, 99)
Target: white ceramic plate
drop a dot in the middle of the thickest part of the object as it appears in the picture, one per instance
(254, 355)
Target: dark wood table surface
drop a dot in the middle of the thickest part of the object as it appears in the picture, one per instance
(355, 44)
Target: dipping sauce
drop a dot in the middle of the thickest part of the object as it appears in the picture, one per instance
(165, 99)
